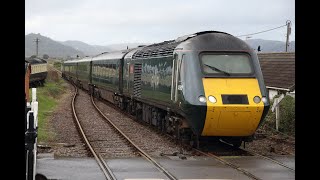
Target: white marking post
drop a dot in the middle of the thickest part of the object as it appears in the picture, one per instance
(276, 106)
(34, 108)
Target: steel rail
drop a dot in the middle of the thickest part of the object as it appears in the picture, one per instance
(267, 158)
(142, 153)
(210, 155)
(229, 164)
(262, 156)
(103, 166)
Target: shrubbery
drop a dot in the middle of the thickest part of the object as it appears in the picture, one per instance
(287, 116)
(57, 65)
(48, 96)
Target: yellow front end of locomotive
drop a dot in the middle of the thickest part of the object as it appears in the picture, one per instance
(225, 119)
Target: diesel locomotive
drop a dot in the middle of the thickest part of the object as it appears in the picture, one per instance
(197, 88)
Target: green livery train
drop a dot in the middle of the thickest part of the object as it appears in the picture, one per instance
(197, 88)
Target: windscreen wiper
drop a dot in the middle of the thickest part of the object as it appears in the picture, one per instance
(216, 69)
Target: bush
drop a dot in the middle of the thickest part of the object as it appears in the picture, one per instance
(57, 65)
(54, 89)
(287, 116)
(54, 85)
(45, 56)
(52, 76)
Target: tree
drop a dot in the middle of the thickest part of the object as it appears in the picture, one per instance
(45, 56)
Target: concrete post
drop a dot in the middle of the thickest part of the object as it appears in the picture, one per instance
(277, 114)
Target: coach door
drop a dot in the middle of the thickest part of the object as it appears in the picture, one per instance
(128, 76)
(175, 77)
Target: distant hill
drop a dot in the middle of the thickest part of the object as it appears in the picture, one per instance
(87, 49)
(270, 45)
(90, 50)
(65, 49)
(48, 46)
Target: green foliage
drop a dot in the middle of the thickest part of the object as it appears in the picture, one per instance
(287, 116)
(53, 76)
(45, 56)
(47, 97)
(53, 89)
(57, 65)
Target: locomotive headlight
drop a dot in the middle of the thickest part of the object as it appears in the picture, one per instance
(257, 99)
(202, 99)
(212, 99)
(264, 99)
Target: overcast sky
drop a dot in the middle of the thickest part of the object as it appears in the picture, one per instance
(103, 22)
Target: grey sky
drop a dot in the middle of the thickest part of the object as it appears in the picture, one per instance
(103, 22)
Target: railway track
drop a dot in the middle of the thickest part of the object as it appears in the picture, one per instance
(98, 156)
(237, 167)
(106, 170)
(213, 155)
(232, 165)
(102, 164)
(267, 158)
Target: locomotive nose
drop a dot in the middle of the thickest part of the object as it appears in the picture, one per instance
(234, 109)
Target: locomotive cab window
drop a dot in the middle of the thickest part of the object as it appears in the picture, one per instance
(226, 64)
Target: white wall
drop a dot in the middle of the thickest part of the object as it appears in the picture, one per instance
(272, 93)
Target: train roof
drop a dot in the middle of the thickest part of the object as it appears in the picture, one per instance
(35, 60)
(186, 37)
(85, 59)
(71, 61)
(204, 40)
(166, 48)
(213, 41)
(111, 55)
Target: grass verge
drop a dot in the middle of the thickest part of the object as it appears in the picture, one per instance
(48, 97)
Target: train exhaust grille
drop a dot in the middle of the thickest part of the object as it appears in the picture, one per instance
(137, 80)
(234, 99)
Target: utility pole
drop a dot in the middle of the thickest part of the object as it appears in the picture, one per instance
(288, 33)
(37, 41)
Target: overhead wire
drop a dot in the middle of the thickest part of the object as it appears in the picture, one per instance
(262, 31)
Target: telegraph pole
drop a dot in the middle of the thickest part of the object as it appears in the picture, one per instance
(37, 41)
(288, 33)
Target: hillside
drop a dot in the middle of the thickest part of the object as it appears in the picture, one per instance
(49, 47)
(87, 49)
(97, 49)
(73, 48)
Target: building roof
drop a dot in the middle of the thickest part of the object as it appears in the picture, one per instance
(278, 70)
